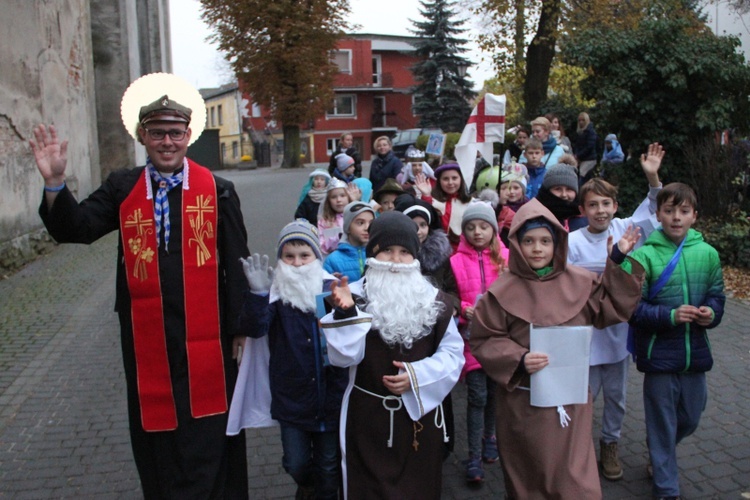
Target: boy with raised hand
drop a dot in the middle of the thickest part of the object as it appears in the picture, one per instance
(349, 257)
(587, 248)
(683, 297)
(306, 392)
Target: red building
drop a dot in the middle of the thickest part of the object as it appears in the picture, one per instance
(373, 97)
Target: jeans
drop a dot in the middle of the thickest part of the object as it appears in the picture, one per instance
(480, 410)
(673, 403)
(612, 380)
(312, 459)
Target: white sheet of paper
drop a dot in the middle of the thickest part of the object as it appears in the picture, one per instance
(565, 380)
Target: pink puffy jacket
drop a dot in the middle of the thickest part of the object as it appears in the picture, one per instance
(474, 273)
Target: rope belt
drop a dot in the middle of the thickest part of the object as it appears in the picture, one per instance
(394, 403)
(564, 417)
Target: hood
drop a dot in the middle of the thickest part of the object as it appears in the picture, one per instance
(434, 252)
(552, 299)
(518, 265)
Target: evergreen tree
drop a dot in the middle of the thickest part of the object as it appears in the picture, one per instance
(441, 97)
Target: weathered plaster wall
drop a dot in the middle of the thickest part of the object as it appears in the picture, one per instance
(68, 63)
(48, 77)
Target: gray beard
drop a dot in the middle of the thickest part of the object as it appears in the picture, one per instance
(401, 301)
(298, 286)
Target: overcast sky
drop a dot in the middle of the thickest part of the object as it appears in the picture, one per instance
(194, 59)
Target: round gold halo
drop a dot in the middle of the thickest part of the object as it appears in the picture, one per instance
(149, 88)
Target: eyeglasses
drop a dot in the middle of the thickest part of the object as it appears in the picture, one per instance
(157, 134)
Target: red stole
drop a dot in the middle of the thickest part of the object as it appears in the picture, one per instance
(200, 275)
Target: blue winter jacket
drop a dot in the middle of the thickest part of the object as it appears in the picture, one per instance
(660, 345)
(305, 391)
(347, 260)
(382, 168)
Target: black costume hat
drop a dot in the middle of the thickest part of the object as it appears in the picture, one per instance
(392, 228)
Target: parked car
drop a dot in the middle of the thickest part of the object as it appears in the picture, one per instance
(407, 137)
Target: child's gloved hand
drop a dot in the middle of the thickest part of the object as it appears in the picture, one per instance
(258, 273)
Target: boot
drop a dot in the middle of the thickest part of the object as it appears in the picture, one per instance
(611, 467)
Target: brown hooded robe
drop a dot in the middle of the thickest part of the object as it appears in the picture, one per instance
(542, 459)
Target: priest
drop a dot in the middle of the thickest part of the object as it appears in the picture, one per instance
(179, 290)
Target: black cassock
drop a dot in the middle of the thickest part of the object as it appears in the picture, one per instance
(197, 460)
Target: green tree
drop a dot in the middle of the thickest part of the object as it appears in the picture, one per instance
(518, 27)
(668, 80)
(280, 52)
(442, 94)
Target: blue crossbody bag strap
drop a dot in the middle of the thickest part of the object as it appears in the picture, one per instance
(656, 288)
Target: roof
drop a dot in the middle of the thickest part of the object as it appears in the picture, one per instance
(394, 43)
(217, 91)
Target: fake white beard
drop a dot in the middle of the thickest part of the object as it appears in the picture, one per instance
(401, 301)
(298, 286)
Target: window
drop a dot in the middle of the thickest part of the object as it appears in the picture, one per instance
(342, 59)
(223, 151)
(331, 145)
(221, 115)
(256, 110)
(343, 105)
(235, 149)
(377, 71)
(213, 116)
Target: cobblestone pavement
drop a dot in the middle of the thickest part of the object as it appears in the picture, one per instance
(63, 424)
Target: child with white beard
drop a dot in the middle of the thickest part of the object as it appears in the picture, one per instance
(306, 391)
(404, 354)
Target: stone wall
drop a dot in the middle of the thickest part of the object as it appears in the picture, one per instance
(68, 63)
(47, 77)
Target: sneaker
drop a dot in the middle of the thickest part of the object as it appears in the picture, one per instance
(611, 467)
(490, 454)
(474, 472)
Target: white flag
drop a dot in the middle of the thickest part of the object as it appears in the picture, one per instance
(485, 126)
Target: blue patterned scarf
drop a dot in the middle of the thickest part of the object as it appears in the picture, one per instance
(161, 203)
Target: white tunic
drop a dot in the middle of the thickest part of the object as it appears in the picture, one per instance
(589, 250)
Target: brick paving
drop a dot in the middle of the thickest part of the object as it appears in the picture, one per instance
(63, 424)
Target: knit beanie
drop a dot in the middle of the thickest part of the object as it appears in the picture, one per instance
(300, 230)
(479, 210)
(561, 175)
(415, 207)
(343, 161)
(515, 172)
(352, 210)
(320, 172)
(392, 228)
(521, 181)
(534, 224)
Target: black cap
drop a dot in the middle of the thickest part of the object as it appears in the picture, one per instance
(392, 228)
(166, 110)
